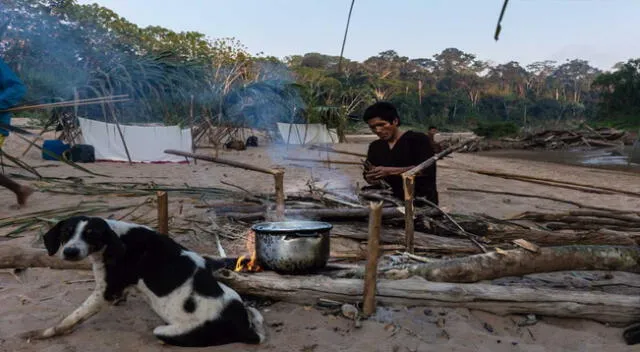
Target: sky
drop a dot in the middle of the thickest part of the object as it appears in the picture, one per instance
(603, 32)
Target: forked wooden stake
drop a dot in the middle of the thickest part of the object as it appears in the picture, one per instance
(373, 251)
(163, 212)
(409, 191)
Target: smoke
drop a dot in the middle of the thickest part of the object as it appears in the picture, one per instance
(57, 49)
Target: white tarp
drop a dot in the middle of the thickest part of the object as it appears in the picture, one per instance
(146, 144)
(301, 133)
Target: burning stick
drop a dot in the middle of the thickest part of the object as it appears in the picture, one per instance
(163, 212)
(373, 251)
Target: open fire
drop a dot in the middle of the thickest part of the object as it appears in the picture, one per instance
(250, 263)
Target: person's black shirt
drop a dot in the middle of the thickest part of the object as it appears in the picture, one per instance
(410, 149)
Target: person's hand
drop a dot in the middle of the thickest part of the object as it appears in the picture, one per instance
(378, 172)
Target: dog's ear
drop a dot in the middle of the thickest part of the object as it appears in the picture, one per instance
(53, 237)
(114, 246)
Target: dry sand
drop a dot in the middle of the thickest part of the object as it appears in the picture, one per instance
(38, 298)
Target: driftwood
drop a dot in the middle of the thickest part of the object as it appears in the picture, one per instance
(501, 300)
(519, 262)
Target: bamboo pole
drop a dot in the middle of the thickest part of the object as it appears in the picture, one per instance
(163, 212)
(373, 252)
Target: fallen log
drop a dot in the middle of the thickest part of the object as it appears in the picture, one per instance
(518, 262)
(501, 300)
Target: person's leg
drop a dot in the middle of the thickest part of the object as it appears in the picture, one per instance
(22, 192)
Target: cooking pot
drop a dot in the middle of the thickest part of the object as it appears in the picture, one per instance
(292, 247)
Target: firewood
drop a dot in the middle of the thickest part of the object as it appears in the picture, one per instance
(519, 262)
(501, 300)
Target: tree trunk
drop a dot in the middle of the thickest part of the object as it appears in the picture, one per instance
(501, 300)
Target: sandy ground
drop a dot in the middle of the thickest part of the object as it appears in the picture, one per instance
(38, 298)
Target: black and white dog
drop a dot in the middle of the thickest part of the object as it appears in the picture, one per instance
(176, 282)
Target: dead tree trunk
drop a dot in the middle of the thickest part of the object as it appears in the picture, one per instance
(501, 300)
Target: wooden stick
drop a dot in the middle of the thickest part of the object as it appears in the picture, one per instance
(525, 195)
(550, 181)
(163, 212)
(66, 103)
(501, 300)
(373, 252)
(409, 188)
(425, 164)
(223, 161)
(329, 149)
(345, 162)
(279, 183)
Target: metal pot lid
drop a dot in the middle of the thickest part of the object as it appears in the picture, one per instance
(297, 226)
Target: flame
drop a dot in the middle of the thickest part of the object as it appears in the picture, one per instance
(249, 265)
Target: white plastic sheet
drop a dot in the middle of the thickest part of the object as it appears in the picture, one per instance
(146, 144)
(300, 133)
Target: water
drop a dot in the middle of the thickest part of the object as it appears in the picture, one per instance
(622, 159)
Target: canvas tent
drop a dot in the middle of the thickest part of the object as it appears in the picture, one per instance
(145, 143)
(303, 133)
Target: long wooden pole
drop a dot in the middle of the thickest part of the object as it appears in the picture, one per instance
(373, 252)
(223, 161)
(163, 212)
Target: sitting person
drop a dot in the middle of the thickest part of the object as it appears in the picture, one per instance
(396, 152)
(431, 132)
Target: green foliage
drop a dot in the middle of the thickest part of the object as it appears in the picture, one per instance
(58, 47)
(496, 129)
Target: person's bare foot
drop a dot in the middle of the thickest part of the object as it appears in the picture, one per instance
(23, 195)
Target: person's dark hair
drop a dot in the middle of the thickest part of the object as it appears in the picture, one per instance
(432, 128)
(383, 110)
